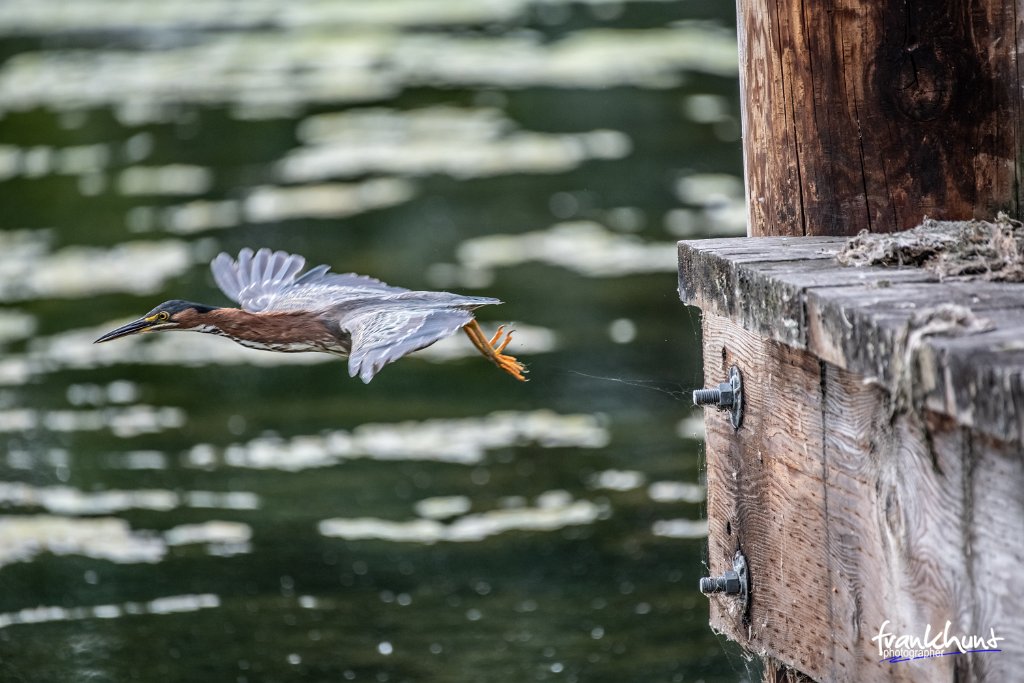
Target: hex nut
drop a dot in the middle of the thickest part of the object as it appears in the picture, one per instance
(727, 395)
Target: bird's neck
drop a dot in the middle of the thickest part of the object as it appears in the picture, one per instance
(275, 331)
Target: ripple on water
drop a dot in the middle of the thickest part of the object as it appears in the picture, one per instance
(676, 492)
(124, 422)
(680, 528)
(270, 203)
(617, 480)
(460, 142)
(171, 604)
(76, 271)
(443, 507)
(269, 73)
(129, 15)
(691, 427)
(43, 160)
(460, 440)
(172, 179)
(66, 500)
(553, 510)
(221, 538)
(584, 247)
(22, 538)
(16, 325)
(721, 206)
(118, 391)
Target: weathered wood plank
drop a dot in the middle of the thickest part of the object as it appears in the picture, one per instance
(855, 413)
(895, 501)
(994, 543)
(861, 319)
(765, 496)
(773, 248)
(922, 507)
(851, 516)
(975, 378)
(981, 381)
(765, 289)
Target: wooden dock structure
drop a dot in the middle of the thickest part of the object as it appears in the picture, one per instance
(875, 486)
(878, 474)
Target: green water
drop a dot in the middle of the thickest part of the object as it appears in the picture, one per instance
(176, 508)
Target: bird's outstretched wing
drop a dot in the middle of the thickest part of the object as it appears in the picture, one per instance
(385, 334)
(269, 281)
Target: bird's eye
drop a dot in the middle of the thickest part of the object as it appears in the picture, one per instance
(162, 316)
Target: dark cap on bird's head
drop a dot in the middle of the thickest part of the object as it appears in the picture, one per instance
(160, 318)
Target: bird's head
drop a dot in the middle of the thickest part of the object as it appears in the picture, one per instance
(170, 315)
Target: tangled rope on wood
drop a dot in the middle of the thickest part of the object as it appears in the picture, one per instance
(989, 250)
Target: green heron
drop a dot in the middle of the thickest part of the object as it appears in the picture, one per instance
(351, 315)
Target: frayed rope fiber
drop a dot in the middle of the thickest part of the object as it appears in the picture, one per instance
(988, 250)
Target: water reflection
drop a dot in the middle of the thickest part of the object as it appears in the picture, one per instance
(55, 15)
(69, 501)
(172, 604)
(585, 247)
(553, 510)
(463, 143)
(462, 441)
(269, 204)
(44, 160)
(181, 508)
(29, 271)
(123, 422)
(269, 74)
(23, 538)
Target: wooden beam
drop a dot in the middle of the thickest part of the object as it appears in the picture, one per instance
(793, 291)
(868, 114)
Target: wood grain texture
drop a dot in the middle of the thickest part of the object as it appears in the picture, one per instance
(994, 543)
(861, 319)
(765, 496)
(851, 515)
(861, 114)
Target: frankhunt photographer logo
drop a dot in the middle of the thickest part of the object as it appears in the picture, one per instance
(895, 648)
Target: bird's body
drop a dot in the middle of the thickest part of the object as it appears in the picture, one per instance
(291, 332)
(348, 315)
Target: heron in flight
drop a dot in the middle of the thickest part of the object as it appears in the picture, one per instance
(348, 315)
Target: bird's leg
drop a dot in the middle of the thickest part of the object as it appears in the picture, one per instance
(493, 349)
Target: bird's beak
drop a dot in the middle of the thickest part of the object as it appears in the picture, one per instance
(134, 327)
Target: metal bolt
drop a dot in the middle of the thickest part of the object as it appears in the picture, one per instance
(726, 396)
(733, 582)
(729, 583)
(721, 396)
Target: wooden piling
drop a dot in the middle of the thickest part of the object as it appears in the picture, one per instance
(868, 114)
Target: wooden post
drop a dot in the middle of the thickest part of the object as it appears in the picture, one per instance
(870, 114)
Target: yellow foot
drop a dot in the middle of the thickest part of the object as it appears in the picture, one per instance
(493, 349)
